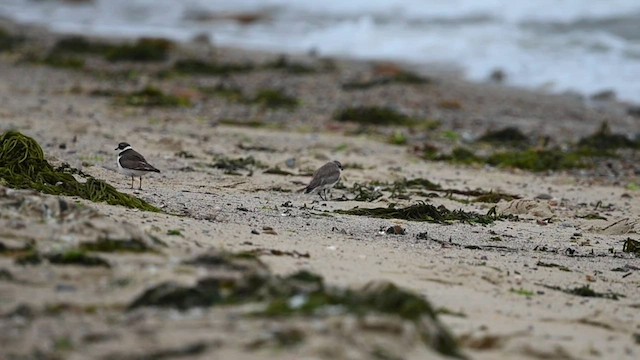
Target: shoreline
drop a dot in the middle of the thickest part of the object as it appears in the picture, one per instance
(502, 289)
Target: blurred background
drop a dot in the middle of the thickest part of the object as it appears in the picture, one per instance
(581, 46)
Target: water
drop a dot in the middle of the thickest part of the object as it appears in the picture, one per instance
(584, 46)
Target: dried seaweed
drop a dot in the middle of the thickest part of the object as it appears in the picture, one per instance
(425, 212)
(631, 246)
(374, 115)
(23, 166)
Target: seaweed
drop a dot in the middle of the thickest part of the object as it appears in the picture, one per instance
(585, 291)
(110, 246)
(398, 138)
(152, 96)
(80, 45)
(538, 160)
(233, 166)
(193, 66)
(374, 115)
(230, 93)
(365, 192)
(509, 136)
(403, 77)
(422, 211)
(271, 98)
(604, 139)
(299, 294)
(267, 98)
(283, 63)
(553, 265)
(631, 246)
(62, 61)
(9, 41)
(23, 166)
(76, 257)
(145, 49)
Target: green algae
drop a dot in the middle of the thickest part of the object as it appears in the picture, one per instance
(284, 64)
(509, 136)
(23, 166)
(115, 246)
(194, 66)
(274, 99)
(76, 257)
(9, 41)
(152, 96)
(374, 115)
(144, 50)
(604, 139)
(404, 77)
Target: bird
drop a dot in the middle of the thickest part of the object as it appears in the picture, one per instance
(131, 163)
(326, 177)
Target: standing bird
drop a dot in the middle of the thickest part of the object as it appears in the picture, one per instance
(326, 177)
(131, 163)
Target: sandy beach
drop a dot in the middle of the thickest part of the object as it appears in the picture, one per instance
(549, 279)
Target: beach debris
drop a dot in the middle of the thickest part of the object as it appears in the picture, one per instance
(396, 230)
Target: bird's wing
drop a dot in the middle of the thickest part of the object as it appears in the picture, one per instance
(131, 159)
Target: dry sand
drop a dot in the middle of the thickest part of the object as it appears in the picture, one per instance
(489, 281)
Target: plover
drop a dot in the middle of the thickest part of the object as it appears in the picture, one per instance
(326, 177)
(131, 163)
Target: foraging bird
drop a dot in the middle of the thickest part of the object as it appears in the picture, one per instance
(131, 163)
(326, 177)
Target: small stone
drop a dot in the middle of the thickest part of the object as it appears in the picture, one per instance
(396, 230)
(255, 232)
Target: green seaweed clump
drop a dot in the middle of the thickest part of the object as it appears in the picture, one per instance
(403, 77)
(76, 257)
(283, 63)
(80, 45)
(63, 61)
(374, 115)
(509, 136)
(604, 139)
(23, 166)
(111, 246)
(366, 192)
(270, 98)
(8, 41)
(424, 212)
(539, 160)
(152, 96)
(192, 66)
(146, 49)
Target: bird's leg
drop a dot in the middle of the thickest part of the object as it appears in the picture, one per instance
(132, 182)
(140, 188)
(320, 193)
(329, 193)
